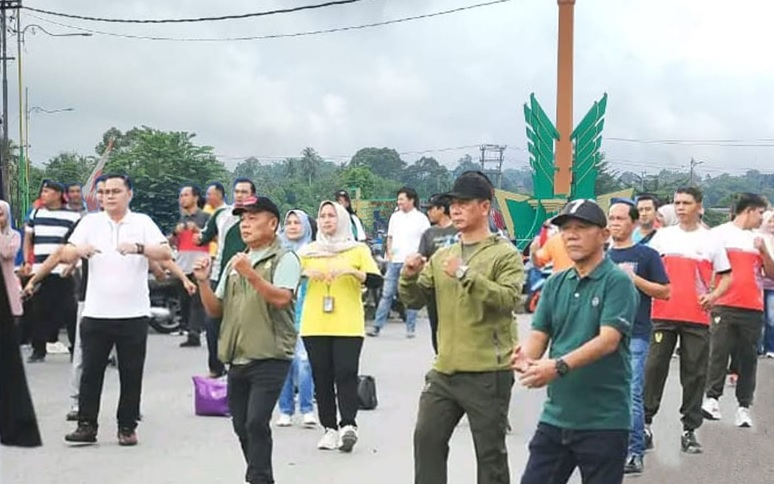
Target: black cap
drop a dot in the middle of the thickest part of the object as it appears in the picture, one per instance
(584, 210)
(256, 204)
(53, 186)
(472, 185)
(438, 200)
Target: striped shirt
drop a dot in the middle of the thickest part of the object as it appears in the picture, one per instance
(49, 230)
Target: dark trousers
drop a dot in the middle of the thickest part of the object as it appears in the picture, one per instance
(253, 390)
(485, 398)
(212, 327)
(432, 315)
(191, 311)
(694, 357)
(335, 364)
(554, 453)
(54, 307)
(98, 337)
(734, 331)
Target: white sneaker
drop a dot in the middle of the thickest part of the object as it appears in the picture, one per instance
(347, 438)
(309, 420)
(329, 441)
(743, 418)
(285, 420)
(56, 348)
(711, 409)
(770, 354)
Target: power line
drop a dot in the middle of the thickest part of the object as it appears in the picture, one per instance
(734, 143)
(275, 36)
(332, 3)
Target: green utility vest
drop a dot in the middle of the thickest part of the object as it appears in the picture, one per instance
(251, 328)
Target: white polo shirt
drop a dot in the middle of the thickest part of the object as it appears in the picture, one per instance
(118, 284)
(406, 229)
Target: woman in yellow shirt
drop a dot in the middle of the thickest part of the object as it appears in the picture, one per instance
(333, 321)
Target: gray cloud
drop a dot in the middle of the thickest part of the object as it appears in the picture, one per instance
(443, 82)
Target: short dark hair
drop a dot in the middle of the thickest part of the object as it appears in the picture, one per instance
(743, 201)
(692, 191)
(218, 186)
(71, 185)
(195, 190)
(634, 214)
(411, 194)
(246, 180)
(648, 196)
(99, 179)
(125, 178)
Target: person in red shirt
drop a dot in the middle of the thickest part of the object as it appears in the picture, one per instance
(737, 316)
(690, 257)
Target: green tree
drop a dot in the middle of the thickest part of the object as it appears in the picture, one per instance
(309, 164)
(70, 167)
(159, 163)
(249, 168)
(383, 162)
(427, 177)
(464, 164)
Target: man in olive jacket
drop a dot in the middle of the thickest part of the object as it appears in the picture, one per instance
(255, 298)
(475, 282)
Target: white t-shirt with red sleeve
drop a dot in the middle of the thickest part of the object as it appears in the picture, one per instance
(746, 291)
(690, 258)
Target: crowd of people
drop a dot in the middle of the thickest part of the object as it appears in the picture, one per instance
(280, 300)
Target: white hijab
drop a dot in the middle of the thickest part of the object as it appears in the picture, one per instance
(330, 245)
(8, 229)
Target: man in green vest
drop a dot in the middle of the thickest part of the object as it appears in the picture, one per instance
(255, 299)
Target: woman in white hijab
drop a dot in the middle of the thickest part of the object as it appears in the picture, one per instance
(333, 321)
(10, 241)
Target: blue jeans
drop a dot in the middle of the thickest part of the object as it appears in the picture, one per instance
(389, 290)
(300, 375)
(554, 453)
(768, 327)
(639, 348)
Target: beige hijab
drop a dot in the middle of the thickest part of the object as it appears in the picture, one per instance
(330, 245)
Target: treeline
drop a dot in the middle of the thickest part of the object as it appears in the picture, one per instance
(159, 162)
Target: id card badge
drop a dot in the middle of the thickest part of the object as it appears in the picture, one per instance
(328, 304)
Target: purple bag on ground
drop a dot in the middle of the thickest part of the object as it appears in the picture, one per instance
(210, 397)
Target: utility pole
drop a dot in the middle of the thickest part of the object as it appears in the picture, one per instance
(5, 6)
(492, 157)
(694, 164)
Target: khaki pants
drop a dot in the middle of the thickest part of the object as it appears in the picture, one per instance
(485, 398)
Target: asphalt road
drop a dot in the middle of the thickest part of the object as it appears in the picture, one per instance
(177, 447)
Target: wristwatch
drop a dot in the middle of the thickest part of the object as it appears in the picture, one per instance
(461, 271)
(562, 368)
(140, 248)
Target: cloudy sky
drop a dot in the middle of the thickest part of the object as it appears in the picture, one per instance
(674, 70)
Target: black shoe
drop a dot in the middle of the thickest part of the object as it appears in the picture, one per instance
(689, 443)
(72, 416)
(86, 433)
(648, 438)
(634, 465)
(191, 343)
(127, 437)
(36, 358)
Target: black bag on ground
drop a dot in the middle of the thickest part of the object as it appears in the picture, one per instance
(366, 392)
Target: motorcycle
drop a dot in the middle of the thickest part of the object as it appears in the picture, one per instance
(165, 315)
(536, 279)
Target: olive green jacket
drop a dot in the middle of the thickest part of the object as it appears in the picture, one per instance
(475, 314)
(253, 329)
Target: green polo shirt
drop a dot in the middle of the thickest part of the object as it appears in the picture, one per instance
(571, 311)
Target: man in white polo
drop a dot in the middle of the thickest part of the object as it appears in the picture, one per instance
(118, 243)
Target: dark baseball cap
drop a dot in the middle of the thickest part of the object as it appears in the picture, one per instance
(584, 210)
(53, 186)
(472, 185)
(256, 204)
(438, 200)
